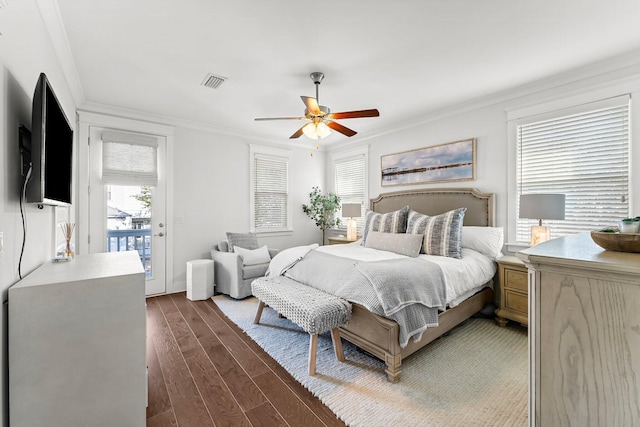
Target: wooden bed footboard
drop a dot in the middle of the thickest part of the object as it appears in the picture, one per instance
(380, 336)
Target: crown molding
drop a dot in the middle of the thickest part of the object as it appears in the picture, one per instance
(97, 108)
(50, 15)
(606, 73)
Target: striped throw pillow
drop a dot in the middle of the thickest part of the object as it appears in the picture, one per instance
(392, 222)
(442, 233)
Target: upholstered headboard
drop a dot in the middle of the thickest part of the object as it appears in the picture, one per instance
(480, 206)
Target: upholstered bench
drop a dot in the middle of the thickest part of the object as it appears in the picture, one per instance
(313, 310)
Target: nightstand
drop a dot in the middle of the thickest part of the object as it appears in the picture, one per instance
(339, 240)
(514, 291)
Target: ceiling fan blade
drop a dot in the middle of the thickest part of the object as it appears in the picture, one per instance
(339, 128)
(297, 134)
(312, 105)
(279, 118)
(355, 114)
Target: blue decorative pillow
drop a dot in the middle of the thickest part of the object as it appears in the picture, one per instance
(442, 233)
(392, 222)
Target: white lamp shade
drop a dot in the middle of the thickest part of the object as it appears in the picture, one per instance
(351, 210)
(542, 206)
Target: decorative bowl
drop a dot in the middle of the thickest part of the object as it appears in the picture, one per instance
(616, 241)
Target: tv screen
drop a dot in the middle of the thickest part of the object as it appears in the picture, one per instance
(51, 149)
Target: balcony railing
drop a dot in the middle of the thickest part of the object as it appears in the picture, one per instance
(132, 240)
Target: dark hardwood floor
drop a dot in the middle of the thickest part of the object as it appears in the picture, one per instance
(204, 371)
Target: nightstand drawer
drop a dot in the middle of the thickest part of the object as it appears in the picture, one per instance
(517, 301)
(515, 279)
(514, 290)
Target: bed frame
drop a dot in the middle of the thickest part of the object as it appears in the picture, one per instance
(379, 335)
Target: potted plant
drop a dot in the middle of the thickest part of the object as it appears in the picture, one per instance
(321, 208)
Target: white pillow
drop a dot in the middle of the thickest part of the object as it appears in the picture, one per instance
(486, 240)
(253, 256)
(399, 243)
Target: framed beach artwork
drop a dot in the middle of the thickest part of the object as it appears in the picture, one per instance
(453, 161)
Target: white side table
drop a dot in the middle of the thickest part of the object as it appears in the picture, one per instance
(200, 279)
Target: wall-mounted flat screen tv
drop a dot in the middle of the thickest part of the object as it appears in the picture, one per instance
(51, 149)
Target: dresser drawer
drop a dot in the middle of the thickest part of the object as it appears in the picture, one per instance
(515, 279)
(517, 301)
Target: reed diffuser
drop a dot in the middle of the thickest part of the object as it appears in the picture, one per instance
(67, 231)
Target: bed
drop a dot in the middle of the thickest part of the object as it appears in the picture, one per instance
(381, 335)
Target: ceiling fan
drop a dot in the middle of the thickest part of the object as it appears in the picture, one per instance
(321, 119)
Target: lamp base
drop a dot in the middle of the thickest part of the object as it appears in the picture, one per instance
(352, 230)
(539, 234)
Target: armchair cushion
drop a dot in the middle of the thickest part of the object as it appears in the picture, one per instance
(254, 271)
(243, 240)
(253, 256)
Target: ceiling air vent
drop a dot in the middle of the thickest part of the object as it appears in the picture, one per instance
(212, 81)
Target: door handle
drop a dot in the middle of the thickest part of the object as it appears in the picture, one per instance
(160, 234)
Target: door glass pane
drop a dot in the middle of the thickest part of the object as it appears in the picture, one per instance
(129, 222)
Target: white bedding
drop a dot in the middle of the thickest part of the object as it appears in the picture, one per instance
(463, 277)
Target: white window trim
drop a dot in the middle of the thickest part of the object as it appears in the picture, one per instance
(556, 107)
(276, 152)
(342, 155)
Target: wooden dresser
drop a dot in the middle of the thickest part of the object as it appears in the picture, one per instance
(584, 334)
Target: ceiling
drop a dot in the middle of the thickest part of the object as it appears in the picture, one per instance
(408, 58)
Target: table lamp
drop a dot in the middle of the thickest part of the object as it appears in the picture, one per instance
(351, 210)
(541, 206)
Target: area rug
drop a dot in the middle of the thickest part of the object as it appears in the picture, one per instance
(474, 376)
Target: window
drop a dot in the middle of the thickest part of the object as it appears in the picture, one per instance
(350, 182)
(582, 153)
(129, 158)
(269, 182)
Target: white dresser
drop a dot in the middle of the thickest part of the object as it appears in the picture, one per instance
(584, 334)
(77, 335)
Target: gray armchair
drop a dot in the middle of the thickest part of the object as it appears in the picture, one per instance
(232, 277)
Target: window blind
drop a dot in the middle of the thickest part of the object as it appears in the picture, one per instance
(129, 159)
(350, 183)
(584, 155)
(271, 198)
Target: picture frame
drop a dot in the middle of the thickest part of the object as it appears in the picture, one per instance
(448, 162)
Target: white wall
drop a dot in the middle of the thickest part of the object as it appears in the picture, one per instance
(25, 52)
(487, 125)
(486, 120)
(211, 194)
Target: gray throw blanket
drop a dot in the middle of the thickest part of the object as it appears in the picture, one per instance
(410, 291)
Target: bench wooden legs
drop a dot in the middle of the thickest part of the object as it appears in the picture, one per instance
(337, 344)
(256, 320)
(313, 347)
(313, 342)
(262, 305)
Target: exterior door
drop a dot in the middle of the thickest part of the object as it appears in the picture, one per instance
(125, 213)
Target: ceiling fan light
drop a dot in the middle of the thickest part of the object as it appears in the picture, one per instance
(310, 131)
(316, 130)
(323, 130)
